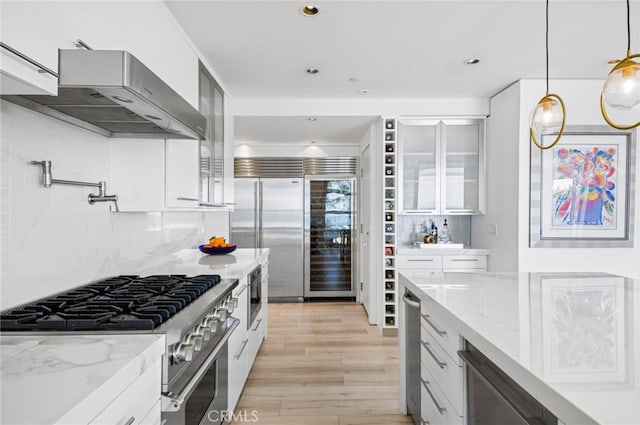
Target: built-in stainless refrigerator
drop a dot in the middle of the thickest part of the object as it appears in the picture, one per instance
(269, 214)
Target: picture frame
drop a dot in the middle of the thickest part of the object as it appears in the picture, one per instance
(582, 330)
(582, 189)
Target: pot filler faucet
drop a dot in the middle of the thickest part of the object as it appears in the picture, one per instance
(101, 196)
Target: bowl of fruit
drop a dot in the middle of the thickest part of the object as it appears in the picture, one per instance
(217, 245)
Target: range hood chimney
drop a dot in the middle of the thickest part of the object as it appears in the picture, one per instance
(113, 94)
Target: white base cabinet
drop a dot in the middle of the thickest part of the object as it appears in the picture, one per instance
(442, 374)
(245, 343)
(138, 404)
(237, 346)
(442, 263)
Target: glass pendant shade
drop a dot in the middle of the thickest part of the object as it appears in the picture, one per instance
(548, 117)
(622, 88)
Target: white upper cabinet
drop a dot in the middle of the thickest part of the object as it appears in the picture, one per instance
(182, 176)
(462, 166)
(33, 29)
(441, 166)
(419, 150)
(145, 29)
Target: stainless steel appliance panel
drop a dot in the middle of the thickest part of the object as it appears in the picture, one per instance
(282, 232)
(246, 216)
(494, 398)
(412, 356)
(255, 295)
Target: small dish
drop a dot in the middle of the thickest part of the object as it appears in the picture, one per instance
(217, 251)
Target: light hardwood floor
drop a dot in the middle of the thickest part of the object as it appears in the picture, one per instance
(323, 364)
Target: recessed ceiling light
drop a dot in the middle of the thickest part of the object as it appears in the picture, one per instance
(354, 79)
(312, 71)
(309, 10)
(363, 91)
(311, 118)
(472, 61)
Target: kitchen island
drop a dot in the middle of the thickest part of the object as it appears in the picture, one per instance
(571, 340)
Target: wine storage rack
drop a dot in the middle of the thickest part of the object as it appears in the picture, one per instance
(389, 224)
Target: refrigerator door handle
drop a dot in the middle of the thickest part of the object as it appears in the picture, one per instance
(256, 214)
(260, 241)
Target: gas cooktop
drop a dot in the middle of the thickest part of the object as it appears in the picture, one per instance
(118, 303)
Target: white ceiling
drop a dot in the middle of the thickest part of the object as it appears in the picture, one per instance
(401, 49)
(325, 130)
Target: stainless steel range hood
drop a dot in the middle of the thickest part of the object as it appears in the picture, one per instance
(112, 93)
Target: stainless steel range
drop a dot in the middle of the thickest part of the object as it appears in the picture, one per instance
(194, 313)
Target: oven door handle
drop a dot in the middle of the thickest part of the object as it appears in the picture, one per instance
(171, 402)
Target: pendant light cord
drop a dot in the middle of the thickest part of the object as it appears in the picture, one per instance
(628, 27)
(547, 42)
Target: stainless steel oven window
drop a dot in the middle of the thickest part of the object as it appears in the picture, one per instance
(255, 295)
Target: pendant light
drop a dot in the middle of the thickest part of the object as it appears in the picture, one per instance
(548, 117)
(621, 90)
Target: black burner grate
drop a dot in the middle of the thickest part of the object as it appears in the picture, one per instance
(117, 303)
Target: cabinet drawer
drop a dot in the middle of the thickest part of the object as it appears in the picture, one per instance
(255, 340)
(464, 262)
(434, 406)
(153, 416)
(136, 401)
(440, 332)
(422, 262)
(447, 373)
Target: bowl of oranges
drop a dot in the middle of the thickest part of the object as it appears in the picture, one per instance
(217, 245)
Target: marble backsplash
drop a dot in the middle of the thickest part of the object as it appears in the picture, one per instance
(52, 239)
(459, 227)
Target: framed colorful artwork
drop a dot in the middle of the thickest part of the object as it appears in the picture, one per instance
(582, 190)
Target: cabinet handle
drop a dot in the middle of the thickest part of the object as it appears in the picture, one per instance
(257, 325)
(439, 331)
(208, 204)
(242, 289)
(82, 45)
(130, 421)
(41, 68)
(418, 212)
(464, 259)
(441, 410)
(244, 345)
(460, 211)
(424, 259)
(184, 198)
(426, 345)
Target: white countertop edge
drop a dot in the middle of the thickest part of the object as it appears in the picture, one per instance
(95, 402)
(408, 251)
(564, 409)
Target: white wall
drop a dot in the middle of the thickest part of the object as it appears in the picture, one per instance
(52, 239)
(502, 183)
(245, 150)
(582, 103)
(370, 106)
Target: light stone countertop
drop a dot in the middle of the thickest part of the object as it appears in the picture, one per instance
(192, 262)
(69, 379)
(408, 250)
(572, 340)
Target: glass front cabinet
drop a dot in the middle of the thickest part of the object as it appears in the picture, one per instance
(212, 148)
(441, 166)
